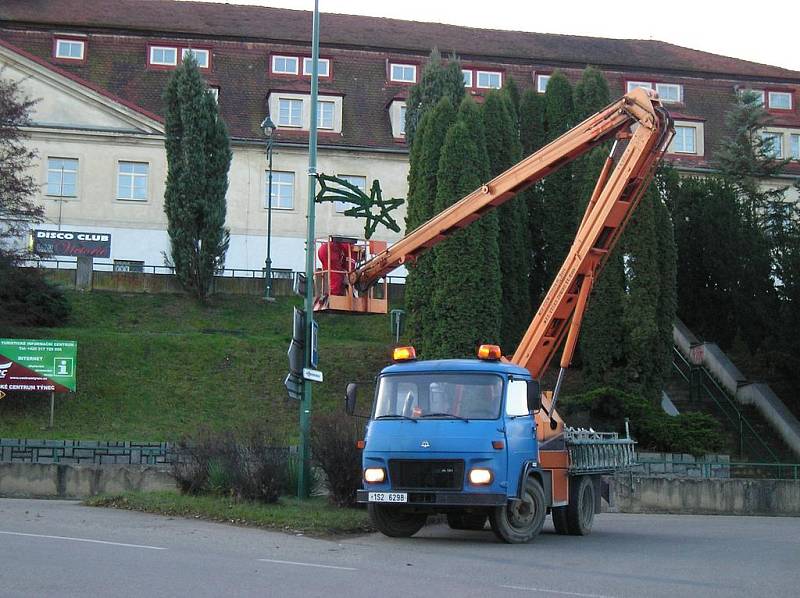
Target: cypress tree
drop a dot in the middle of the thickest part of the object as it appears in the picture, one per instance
(467, 292)
(503, 150)
(198, 159)
(668, 292)
(511, 89)
(422, 183)
(438, 80)
(531, 133)
(558, 194)
(591, 93)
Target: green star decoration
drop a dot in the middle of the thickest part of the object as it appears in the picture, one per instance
(372, 207)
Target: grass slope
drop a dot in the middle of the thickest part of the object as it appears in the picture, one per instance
(154, 367)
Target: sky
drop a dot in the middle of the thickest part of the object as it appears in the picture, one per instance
(709, 25)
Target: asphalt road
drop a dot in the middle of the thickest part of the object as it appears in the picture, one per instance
(60, 548)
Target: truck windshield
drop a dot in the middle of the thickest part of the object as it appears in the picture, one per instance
(431, 396)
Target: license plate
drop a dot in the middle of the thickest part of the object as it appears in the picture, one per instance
(388, 497)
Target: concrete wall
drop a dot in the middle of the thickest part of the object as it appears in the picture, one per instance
(633, 494)
(37, 480)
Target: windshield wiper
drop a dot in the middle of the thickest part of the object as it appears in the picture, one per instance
(463, 419)
(393, 415)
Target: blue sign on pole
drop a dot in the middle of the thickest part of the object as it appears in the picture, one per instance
(314, 344)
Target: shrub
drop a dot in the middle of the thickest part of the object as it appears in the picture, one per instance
(654, 430)
(333, 446)
(248, 466)
(27, 299)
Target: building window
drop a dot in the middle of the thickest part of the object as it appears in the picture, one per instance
(489, 80)
(541, 83)
(773, 144)
(132, 180)
(407, 73)
(359, 181)
(163, 56)
(402, 122)
(70, 48)
(759, 93)
(213, 90)
(128, 266)
(685, 141)
(200, 56)
(794, 147)
(467, 78)
(638, 84)
(670, 93)
(780, 100)
(290, 113)
(62, 177)
(325, 111)
(285, 65)
(282, 190)
(324, 65)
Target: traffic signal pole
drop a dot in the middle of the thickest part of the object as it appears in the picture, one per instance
(304, 477)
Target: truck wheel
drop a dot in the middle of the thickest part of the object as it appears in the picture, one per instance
(577, 517)
(466, 520)
(520, 520)
(394, 522)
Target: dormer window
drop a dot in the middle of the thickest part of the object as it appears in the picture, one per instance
(397, 118)
(489, 79)
(285, 65)
(292, 110)
(780, 100)
(403, 73)
(669, 93)
(70, 49)
(324, 67)
(163, 56)
(200, 56)
(541, 83)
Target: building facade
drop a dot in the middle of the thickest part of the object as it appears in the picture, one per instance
(99, 69)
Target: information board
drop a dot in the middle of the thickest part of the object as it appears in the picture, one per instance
(35, 365)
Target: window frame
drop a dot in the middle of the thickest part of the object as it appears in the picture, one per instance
(794, 146)
(788, 94)
(403, 65)
(195, 51)
(686, 127)
(333, 115)
(542, 77)
(133, 176)
(274, 57)
(129, 266)
(69, 40)
(478, 74)
(321, 60)
(343, 204)
(471, 77)
(153, 47)
(47, 178)
(775, 135)
(290, 124)
(677, 86)
(276, 185)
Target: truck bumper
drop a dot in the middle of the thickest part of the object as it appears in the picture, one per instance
(423, 498)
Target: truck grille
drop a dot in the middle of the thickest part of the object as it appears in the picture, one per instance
(427, 475)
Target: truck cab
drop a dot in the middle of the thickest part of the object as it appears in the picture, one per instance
(454, 436)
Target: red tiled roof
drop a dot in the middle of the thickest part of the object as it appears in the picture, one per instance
(214, 20)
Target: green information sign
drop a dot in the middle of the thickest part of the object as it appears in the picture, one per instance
(31, 365)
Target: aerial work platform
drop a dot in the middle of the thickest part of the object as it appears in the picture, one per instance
(334, 291)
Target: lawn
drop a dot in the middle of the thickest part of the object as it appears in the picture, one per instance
(155, 367)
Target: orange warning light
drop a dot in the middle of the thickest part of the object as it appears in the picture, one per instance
(404, 354)
(489, 352)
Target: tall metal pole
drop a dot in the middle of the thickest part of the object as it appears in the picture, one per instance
(268, 263)
(304, 478)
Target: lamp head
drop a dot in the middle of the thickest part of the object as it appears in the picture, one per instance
(268, 126)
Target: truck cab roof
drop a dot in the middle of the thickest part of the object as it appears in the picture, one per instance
(457, 365)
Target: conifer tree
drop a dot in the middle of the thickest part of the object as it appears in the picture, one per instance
(198, 159)
(503, 150)
(438, 80)
(422, 183)
(560, 208)
(511, 90)
(467, 292)
(531, 133)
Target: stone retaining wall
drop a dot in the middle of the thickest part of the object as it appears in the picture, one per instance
(85, 452)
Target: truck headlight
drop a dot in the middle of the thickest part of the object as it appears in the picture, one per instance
(480, 476)
(374, 475)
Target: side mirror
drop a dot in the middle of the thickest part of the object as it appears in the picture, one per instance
(534, 396)
(350, 398)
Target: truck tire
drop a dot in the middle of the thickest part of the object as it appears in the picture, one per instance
(466, 520)
(577, 517)
(394, 522)
(520, 521)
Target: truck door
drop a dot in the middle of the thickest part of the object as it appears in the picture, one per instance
(520, 433)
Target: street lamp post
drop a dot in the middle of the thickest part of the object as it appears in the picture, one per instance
(268, 127)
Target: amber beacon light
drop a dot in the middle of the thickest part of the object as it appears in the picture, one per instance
(489, 352)
(404, 354)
